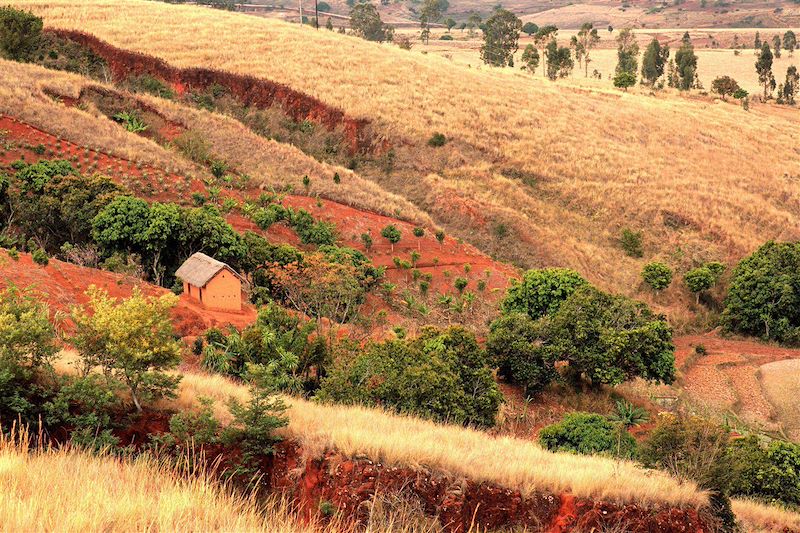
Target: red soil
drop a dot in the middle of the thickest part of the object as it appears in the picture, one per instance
(461, 504)
(64, 285)
(445, 261)
(727, 375)
(248, 90)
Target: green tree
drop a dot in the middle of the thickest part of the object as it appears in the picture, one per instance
(724, 86)
(791, 85)
(608, 339)
(20, 32)
(329, 24)
(529, 28)
(657, 275)
(628, 415)
(698, 280)
(367, 24)
(541, 292)
(27, 345)
(515, 348)
(776, 45)
(757, 42)
(770, 473)
(530, 58)
(431, 12)
(130, 340)
(391, 234)
(442, 375)
(450, 23)
(589, 434)
(789, 41)
(543, 36)
(586, 39)
(764, 69)
(686, 64)
(500, 38)
(764, 295)
(559, 60)
(624, 79)
(653, 62)
(627, 52)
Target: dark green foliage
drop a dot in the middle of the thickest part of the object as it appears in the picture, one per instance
(500, 38)
(628, 415)
(20, 32)
(609, 339)
(514, 347)
(437, 139)
(658, 276)
(530, 28)
(653, 62)
(40, 257)
(541, 292)
(419, 232)
(196, 427)
(769, 473)
(367, 24)
(530, 58)
(764, 69)
(764, 295)
(559, 60)
(627, 52)
(686, 65)
(148, 84)
(85, 404)
(460, 284)
(624, 79)
(442, 375)
(724, 86)
(631, 242)
(695, 449)
(587, 433)
(391, 234)
(699, 279)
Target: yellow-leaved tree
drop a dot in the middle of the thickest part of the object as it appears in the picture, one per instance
(131, 341)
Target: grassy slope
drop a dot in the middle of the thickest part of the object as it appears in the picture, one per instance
(70, 491)
(602, 159)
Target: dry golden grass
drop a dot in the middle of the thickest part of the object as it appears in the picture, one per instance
(72, 491)
(759, 518)
(270, 163)
(601, 159)
(512, 463)
(779, 381)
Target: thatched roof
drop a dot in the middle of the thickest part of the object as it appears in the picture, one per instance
(199, 269)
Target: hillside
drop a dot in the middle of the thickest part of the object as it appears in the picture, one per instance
(543, 174)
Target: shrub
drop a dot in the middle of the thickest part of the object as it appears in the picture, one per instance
(440, 236)
(769, 473)
(657, 275)
(460, 284)
(698, 280)
(437, 140)
(587, 433)
(541, 292)
(442, 375)
(631, 242)
(40, 257)
(764, 295)
(392, 234)
(514, 348)
(20, 32)
(446, 37)
(419, 232)
(696, 449)
(366, 238)
(610, 338)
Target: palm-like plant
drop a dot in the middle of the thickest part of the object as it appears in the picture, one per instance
(628, 415)
(131, 121)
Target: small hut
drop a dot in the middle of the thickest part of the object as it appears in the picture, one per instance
(212, 283)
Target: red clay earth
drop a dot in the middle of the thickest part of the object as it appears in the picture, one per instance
(248, 90)
(445, 261)
(461, 505)
(64, 285)
(726, 376)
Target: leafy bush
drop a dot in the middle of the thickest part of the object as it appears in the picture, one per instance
(541, 292)
(391, 234)
(442, 375)
(631, 242)
(446, 37)
(587, 433)
(40, 257)
(515, 350)
(699, 279)
(609, 339)
(85, 404)
(657, 275)
(695, 449)
(20, 32)
(764, 295)
(437, 140)
(769, 473)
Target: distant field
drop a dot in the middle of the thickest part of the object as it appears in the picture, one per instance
(781, 381)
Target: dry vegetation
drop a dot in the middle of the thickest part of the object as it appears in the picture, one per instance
(513, 463)
(271, 164)
(702, 180)
(71, 491)
(759, 518)
(779, 380)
